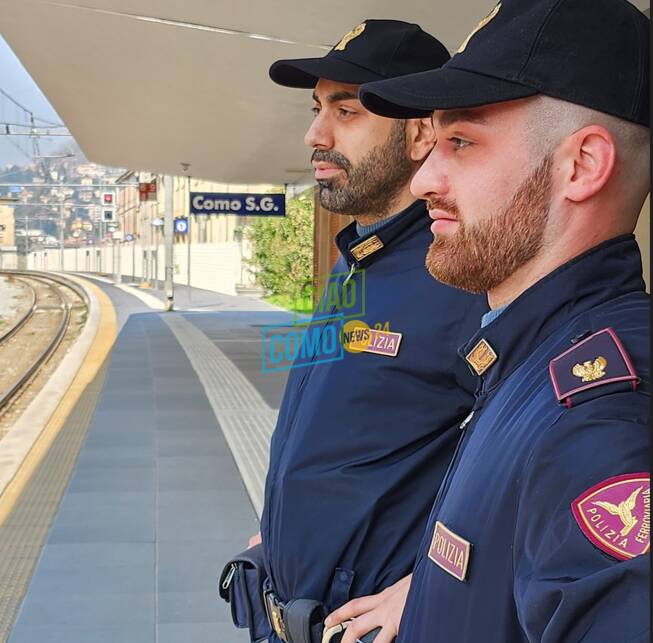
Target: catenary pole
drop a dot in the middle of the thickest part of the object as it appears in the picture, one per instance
(61, 235)
(185, 167)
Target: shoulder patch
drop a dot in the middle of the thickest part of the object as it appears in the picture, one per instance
(596, 361)
(615, 515)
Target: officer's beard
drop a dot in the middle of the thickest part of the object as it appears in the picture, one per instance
(370, 186)
(479, 257)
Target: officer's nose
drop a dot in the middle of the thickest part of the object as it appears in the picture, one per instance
(319, 134)
(430, 180)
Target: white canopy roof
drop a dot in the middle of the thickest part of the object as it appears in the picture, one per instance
(151, 84)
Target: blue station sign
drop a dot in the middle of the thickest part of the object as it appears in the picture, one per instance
(181, 226)
(252, 205)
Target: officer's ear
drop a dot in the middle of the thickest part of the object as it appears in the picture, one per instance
(420, 138)
(586, 161)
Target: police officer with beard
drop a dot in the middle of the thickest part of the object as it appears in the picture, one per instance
(362, 443)
(540, 531)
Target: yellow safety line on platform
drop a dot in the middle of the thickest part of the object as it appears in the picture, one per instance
(97, 353)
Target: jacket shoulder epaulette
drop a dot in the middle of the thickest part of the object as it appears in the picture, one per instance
(597, 365)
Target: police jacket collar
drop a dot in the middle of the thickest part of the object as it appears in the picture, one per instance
(601, 274)
(362, 251)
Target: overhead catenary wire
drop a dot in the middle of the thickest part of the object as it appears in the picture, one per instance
(10, 98)
(32, 126)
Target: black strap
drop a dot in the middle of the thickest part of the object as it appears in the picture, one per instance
(304, 620)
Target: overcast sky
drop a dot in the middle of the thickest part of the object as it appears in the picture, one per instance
(15, 80)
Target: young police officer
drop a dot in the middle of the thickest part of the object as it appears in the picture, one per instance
(362, 443)
(541, 527)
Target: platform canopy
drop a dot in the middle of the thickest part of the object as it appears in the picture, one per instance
(151, 84)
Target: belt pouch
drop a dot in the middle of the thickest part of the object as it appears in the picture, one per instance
(304, 620)
(241, 585)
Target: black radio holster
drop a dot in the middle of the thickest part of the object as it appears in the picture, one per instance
(304, 620)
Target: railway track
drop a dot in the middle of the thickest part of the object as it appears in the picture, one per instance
(51, 296)
(25, 317)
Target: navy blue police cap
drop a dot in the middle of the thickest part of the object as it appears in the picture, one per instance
(373, 50)
(593, 53)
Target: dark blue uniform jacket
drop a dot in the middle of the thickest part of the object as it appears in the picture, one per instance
(361, 444)
(533, 574)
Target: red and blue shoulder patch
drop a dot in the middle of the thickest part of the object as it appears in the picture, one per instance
(597, 361)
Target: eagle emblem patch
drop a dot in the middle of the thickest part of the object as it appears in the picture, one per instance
(591, 370)
(615, 515)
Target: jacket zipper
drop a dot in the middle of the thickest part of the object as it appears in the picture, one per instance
(453, 465)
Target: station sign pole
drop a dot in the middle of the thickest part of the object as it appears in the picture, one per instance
(190, 239)
(168, 238)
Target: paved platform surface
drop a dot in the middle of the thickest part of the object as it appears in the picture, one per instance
(168, 482)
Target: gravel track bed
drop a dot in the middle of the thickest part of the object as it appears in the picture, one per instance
(21, 350)
(14, 302)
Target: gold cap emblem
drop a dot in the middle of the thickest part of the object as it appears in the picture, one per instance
(348, 37)
(366, 248)
(481, 357)
(480, 26)
(589, 371)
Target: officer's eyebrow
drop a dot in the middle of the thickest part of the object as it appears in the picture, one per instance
(450, 116)
(337, 96)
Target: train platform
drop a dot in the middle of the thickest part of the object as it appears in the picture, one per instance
(154, 481)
